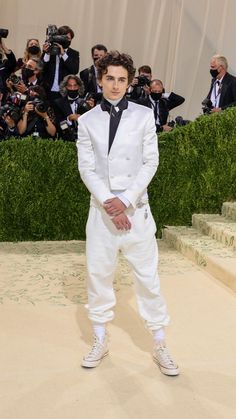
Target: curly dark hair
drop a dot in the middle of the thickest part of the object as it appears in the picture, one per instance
(116, 58)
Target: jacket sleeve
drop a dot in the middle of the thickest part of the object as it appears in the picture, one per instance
(87, 166)
(10, 62)
(150, 158)
(72, 62)
(174, 100)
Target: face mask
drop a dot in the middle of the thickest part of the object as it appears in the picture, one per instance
(73, 94)
(34, 50)
(27, 73)
(156, 96)
(214, 73)
(65, 43)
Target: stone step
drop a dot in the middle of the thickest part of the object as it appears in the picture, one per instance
(217, 227)
(229, 210)
(206, 252)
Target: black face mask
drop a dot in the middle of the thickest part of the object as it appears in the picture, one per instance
(34, 50)
(27, 73)
(214, 73)
(73, 94)
(156, 96)
(65, 43)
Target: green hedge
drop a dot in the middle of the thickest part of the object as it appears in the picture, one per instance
(43, 198)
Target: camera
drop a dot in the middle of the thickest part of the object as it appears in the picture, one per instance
(207, 106)
(68, 133)
(14, 79)
(17, 99)
(64, 125)
(39, 105)
(143, 81)
(82, 106)
(53, 38)
(178, 122)
(3, 33)
(97, 97)
(10, 110)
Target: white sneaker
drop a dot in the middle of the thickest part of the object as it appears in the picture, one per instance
(164, 361)
(97, 353)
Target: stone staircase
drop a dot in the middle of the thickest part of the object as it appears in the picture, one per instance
(210, 242)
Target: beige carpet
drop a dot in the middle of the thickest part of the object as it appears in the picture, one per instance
(45, 332)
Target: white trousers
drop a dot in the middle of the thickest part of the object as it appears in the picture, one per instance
(139, 247)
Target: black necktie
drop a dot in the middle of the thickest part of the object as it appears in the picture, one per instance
(155, 109)
(115, 113)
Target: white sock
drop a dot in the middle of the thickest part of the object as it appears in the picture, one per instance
(159, 334)
(100, 331)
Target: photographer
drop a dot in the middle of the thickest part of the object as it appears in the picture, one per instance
(37, 117)
(70, 106)
(9, 117)
(139, 89)
(7, 64)
(89, 75)
(31, 76)
(162, 103)
(32, 49)
(222, 93)
(59, 59)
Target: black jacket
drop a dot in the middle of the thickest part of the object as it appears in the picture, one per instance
(6, 68)
(69, 66)
(62, 110)
(228, 91)
(165, 105)
(88, 77)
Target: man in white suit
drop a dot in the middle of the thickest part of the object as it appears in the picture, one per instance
(118, 156)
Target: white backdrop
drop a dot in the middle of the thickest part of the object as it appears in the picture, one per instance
(175, 37)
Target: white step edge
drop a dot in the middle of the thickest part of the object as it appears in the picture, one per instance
(229, 210)
(217, 227)
(209, 254)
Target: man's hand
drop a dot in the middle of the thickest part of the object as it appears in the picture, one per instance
(61, 48)
(73, 117)
(121, 222)
(46, 47)
(114, 206)
(21, 87)
(215, 110)
(166, 128)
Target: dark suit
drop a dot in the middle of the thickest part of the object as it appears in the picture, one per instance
(88, 77)
(7, 67)
(62, 109)
(69, 66)
(228, 91)
(165, 105)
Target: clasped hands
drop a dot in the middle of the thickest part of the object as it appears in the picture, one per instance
(115, 208)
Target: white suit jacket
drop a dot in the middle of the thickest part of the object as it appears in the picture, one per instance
(133, 157)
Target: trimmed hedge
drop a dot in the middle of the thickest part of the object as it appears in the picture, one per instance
(43, 198)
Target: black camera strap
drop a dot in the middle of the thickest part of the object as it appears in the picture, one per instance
(31, 124)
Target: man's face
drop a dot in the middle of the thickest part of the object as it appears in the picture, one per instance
(214, 65)
(156, 87)
(97, 54)
(115, 82)
(69, 36)
(72, 85)
(32, 65)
